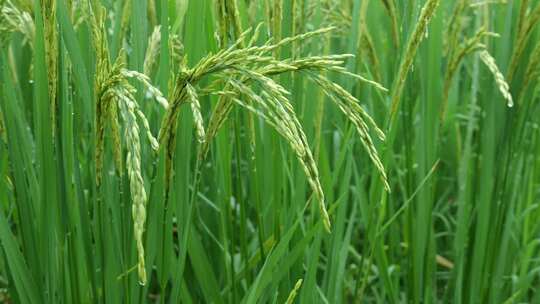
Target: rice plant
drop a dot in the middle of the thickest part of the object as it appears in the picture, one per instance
(269, 151)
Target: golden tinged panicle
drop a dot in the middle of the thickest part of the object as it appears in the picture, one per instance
(410, 53)
(489, 61)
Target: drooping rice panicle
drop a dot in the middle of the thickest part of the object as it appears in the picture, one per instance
(113, 93)
(354, 112)
(196, 110)
(278, 113)
(119, 93)
(153, 141)
(127, 107)
(145, 80)
(244, 62)
(489, 61)
(219, 62)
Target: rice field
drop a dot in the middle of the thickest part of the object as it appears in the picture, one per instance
(269, 151)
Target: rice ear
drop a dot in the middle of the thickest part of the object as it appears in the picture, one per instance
(196, 110)
(278, 113)
(133, 164)
(428, 11)
(242, 63)
(503, 86)
(113, 92)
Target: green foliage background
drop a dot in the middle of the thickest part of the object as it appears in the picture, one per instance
(460, 225)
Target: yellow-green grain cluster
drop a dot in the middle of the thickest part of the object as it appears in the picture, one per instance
(503, 86)
(294, 292)
(114, 92)
(243, 64)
